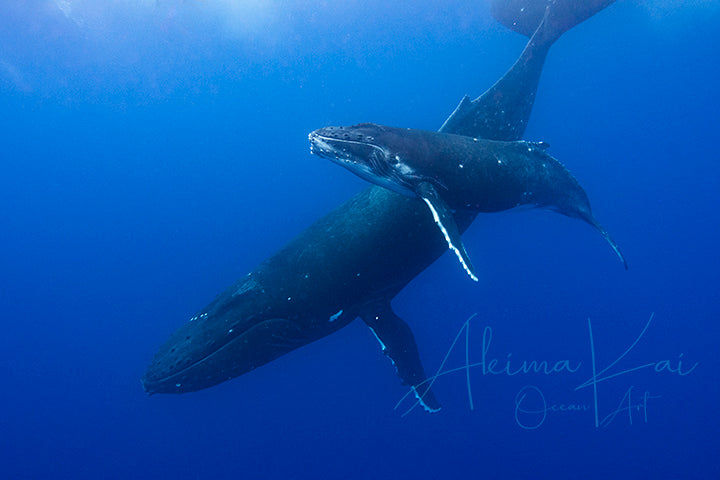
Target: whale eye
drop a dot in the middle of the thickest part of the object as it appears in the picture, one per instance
(394, 160)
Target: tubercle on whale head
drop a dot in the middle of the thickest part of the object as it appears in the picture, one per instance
(232, 336)
(361, 132)
(368, 150)
(177, 366)
(343, 144)
(211, 361)
(251, 323)
(341, 139)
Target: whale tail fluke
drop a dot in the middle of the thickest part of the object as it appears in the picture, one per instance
(524, 16)
(502, 112)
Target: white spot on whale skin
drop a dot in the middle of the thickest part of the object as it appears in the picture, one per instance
(404, 169)
(335, 316)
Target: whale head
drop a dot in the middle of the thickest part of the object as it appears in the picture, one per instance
(373, 152)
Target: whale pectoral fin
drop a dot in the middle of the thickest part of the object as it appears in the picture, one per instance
(444, 219)
(398, 344)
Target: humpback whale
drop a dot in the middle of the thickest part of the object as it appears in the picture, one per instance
(455, 172)
(354, 260)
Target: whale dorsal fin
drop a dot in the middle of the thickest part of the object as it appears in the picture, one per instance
(444, 219)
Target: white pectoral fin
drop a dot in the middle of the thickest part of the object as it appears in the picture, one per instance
(443, 218)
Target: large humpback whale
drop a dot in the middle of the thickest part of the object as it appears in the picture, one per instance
(455, 172)
(353, 261)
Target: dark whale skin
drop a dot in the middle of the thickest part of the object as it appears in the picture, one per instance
(354, 260)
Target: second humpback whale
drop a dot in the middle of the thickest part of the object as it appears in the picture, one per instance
(352, 262)
(455, 172)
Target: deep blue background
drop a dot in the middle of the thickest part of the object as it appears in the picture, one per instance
(154, 152)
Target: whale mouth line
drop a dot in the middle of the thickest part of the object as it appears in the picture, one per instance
(369, 165)
(166, 379)
(323, 146)
(147, 383)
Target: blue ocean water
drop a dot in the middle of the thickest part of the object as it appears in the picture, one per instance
(153, 152)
